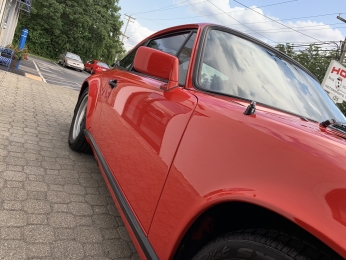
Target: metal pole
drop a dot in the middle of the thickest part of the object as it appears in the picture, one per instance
(343, 48)
(343, 52)
(124, 34)
(128, 20)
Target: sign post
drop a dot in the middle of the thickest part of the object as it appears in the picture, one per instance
(334, 82)
(22, 41)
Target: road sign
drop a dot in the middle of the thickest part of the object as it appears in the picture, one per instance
(334, 82)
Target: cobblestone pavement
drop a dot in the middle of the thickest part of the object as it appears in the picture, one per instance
(54, 203)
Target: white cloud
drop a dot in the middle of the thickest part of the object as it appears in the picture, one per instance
(266, 29)
(244, 20)
(136, 33)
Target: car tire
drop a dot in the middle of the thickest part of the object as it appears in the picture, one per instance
(260, 244)
(76, 138)
(64, 64)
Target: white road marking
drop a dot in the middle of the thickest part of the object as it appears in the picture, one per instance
(39, 72)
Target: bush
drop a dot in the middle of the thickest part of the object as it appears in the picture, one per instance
(18, 53)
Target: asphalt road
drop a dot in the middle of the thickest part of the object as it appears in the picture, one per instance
(54, 73)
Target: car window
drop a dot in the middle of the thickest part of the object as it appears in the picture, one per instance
(234, 66)
(127, 61)
(169, 44)
(184, 59)
(73, 56)
(102, 64)
(92, 62)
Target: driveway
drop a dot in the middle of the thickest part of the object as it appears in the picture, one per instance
(53, 73)
(54, 203)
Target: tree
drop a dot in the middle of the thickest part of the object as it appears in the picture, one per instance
(312, 57)
(315, 60)
(88, 28)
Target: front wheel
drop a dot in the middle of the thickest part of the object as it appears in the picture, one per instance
(261, 245)
(76, 139)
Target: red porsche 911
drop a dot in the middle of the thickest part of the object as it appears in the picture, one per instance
(214, 145)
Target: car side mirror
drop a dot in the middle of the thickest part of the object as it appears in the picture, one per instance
(158, 64)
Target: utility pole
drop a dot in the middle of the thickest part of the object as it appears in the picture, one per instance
(129, 18)
(343, 46)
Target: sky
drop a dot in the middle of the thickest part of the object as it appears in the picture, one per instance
(274, 22)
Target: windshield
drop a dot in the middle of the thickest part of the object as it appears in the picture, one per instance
(102, 64)
(237, 67)
(73, 56)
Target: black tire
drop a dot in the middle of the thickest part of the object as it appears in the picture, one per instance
(64, 64)
(76, 138)
(260, 244)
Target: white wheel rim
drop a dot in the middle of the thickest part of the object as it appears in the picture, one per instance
(80, 117)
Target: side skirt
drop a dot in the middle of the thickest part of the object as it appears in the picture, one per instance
(131, 219)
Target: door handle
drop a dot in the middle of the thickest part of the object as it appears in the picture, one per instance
(113, 83)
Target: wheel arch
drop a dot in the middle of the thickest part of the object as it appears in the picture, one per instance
(230, 216)
(92, 100)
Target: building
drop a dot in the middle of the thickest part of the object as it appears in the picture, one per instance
(9, 14)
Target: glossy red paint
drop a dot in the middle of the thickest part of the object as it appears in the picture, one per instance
(179, 152)
(304, 182)
(148, 124)
(95, 66)
(158, 64)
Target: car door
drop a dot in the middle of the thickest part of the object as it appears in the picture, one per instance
(141, 126)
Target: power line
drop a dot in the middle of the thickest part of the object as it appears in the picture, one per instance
(196, 16)
(242, 23)
(288, 31)
(169, 7)
(277, 21)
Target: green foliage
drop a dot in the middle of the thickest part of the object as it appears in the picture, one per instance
(88, 28)
(315, 60)
(19, 54)
(312, 58)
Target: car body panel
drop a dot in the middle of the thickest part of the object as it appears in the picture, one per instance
(304, 182)
(148, 124)
(176, 153)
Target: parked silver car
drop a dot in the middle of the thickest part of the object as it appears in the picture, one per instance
(69, 59)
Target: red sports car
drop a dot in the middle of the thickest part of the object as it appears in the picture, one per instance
(95, 66)
(214, 145)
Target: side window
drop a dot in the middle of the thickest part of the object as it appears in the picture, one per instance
(169, 44)
(184, 59)
(92, 62)
(127, 61)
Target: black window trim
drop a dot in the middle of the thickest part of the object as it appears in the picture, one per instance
(184, 43)
(190, 31)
